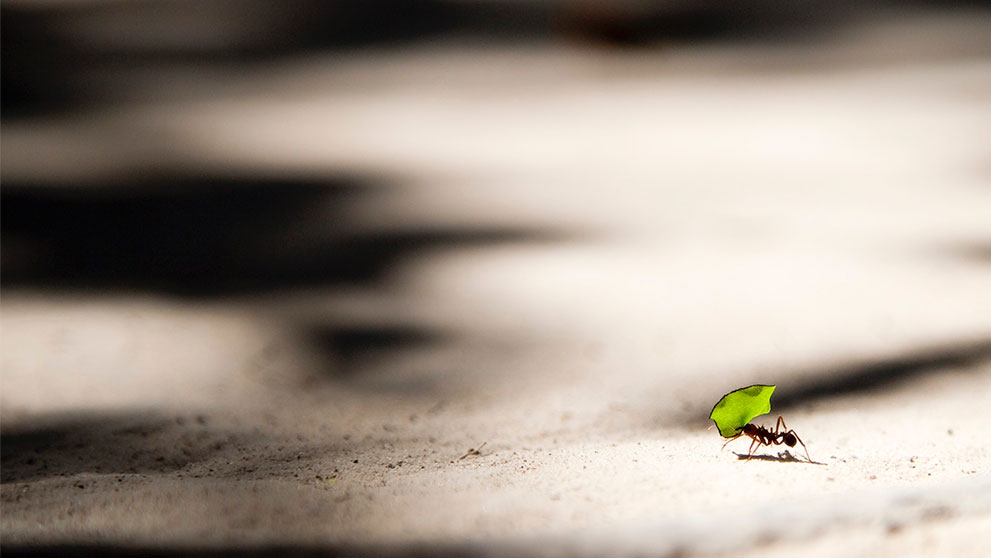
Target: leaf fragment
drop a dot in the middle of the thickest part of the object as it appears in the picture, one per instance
(737, 408)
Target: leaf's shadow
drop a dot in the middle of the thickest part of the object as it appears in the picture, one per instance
(781, 457)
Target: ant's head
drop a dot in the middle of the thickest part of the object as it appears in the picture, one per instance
(750, 429)
(789, 439)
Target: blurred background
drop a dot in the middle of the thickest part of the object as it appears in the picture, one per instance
(236, 230)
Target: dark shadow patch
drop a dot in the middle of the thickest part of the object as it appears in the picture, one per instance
(874, 375)
(62, 58)
(976, 252)
(701, 22)
(781, 457)
(388, 358)
(351, 346)
(55, 54)
(104, 443)
(183, 235)
(368, 256)
(415, 550)
(211, 236)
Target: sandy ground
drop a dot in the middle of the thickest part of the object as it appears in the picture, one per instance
(618, 238)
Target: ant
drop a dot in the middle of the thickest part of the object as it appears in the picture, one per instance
(762, 436)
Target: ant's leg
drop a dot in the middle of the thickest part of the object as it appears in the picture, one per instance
(780, 425)
(753, 447)
(730, 440)
(792, 432)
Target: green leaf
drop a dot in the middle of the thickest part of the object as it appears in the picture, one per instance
(736, 409)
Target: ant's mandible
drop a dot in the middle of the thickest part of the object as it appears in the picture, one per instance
(761, 436)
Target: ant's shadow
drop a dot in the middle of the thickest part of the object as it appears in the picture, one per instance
(782, 457)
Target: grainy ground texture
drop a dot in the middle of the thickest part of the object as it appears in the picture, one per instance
(463, 299)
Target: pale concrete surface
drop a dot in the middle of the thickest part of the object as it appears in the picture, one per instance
(699, 220)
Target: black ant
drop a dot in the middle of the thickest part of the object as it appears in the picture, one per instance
(761, 436)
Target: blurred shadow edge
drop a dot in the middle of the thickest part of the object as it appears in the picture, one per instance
(206, 237)
(52, 50)
(877, 374)
(266, 551)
